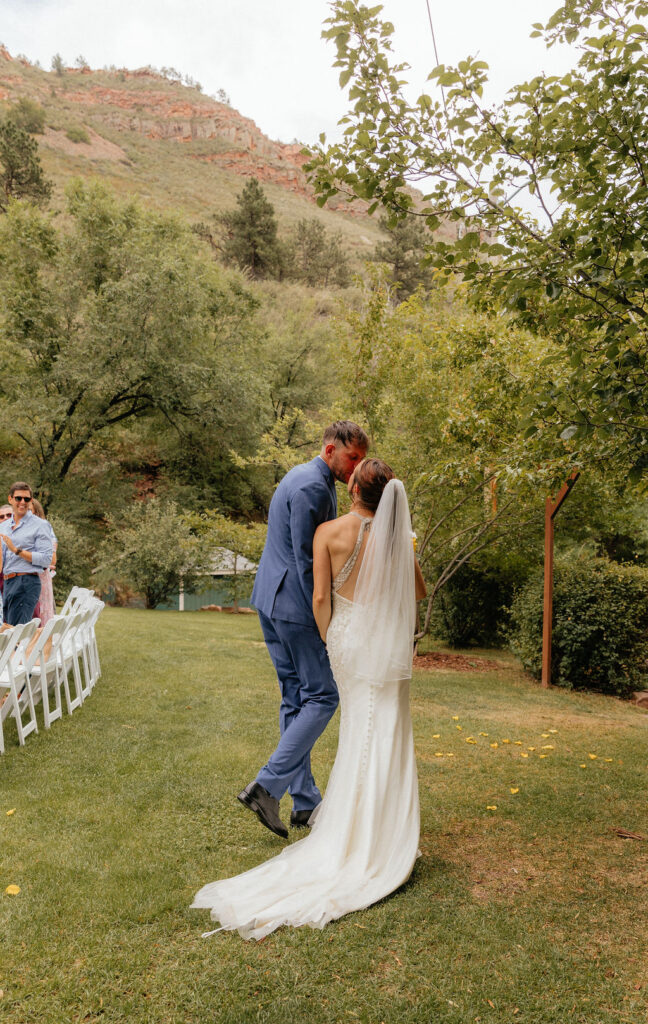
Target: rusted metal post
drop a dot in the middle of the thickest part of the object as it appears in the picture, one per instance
(551, 508)
(548, 593)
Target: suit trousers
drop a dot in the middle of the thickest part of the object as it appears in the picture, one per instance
(21, 594)
(309, 698)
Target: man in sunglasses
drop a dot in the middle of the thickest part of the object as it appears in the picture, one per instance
(26, 551)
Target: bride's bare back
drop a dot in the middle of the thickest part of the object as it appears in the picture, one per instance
(334, 546)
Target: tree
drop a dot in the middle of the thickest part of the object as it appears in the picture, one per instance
(151, 548)
(75, 557)
(575, 270)
(21, 174)
(57, 64)
(116, 318)
(251, 240)
(318, 258)
(300, 381)
(221, 538)
(403, 252)
(441, 390)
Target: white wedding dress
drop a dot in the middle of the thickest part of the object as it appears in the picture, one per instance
(364, 839)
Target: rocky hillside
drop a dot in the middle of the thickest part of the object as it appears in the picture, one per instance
(147, 133)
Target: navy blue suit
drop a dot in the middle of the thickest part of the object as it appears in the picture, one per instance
(283, 596)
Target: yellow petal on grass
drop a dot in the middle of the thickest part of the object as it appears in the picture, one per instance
(455, 718)
(450, 755)
(517, 743)
(459, 727)
(530, 748)
(491, 807)
(608, 759)
(522, 754)
(546, 746)
(12, 890)
(506, 741)
(515, 789)
(483, 734)
(469, 739)
(494, 745)
(436, 735)
(543, 755)
(545, 735)
(12, 811)
(592, 757)
(438, 754)
(583, 766)
(553, 730)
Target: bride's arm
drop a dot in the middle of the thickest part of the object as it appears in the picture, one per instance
(321, 582)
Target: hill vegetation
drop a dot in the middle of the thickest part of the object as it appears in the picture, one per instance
(147, 134)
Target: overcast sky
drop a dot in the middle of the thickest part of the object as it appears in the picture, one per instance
(267, 54)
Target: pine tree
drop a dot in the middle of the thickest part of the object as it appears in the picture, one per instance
(21, 174)
(403, 252)
(251, 240)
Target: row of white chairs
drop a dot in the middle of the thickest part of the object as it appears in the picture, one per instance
(62, 662)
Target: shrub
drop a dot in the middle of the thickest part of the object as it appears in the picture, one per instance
(150, 548)
(473, 606)
(77, 134)
(600, 626)
(28, 115)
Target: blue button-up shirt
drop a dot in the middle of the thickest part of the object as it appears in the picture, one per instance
(31, 534)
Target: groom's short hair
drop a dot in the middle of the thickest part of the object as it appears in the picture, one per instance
(346, 432)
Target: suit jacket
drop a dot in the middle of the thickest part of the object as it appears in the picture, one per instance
(283, 588)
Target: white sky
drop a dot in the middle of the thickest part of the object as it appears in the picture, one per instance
(268, 55)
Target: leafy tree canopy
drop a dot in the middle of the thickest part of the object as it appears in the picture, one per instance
(119, 316)
(151, 547)
(575, 269)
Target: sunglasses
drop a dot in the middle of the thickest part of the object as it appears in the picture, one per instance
(5, 515)
(21, 497)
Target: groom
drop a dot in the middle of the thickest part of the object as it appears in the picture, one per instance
(283, 597)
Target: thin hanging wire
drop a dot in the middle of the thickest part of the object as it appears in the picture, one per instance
(436, 52)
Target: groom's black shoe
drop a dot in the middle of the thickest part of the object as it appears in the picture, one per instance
(299, 819)
(265, 807)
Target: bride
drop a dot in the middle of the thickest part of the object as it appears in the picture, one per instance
(364, 837)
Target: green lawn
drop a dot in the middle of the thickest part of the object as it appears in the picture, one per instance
(531, 912)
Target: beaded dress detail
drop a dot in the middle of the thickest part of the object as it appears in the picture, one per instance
(364, 838)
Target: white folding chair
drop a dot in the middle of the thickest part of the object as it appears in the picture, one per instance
(76, 600)
(14, 681)
(95, 608)
(47, 670)
(71, 653)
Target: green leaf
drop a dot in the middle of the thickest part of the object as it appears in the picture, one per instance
(569, 432)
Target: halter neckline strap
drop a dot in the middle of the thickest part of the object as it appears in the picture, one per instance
(346, 569)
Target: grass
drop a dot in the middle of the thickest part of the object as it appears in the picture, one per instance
(533, 912)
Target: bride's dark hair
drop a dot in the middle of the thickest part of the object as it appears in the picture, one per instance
(372, 476)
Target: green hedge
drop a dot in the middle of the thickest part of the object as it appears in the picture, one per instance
(600, 626)
(473, 607)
